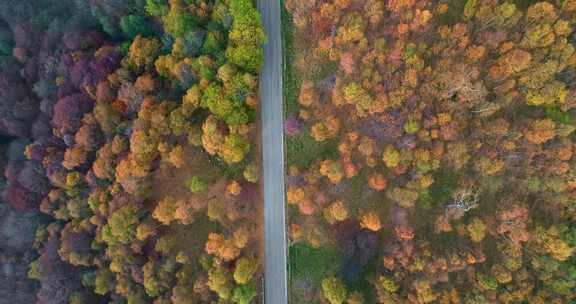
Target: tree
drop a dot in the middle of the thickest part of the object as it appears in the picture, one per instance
(134, 25)
(176, 157)
(541, 131)
(220, 281)
(550, 240)
(251, 173)
(512, 62)
(156, 8)
(165, 210)
(178, 21)
(332, 170)
(244, 294)
(212, 135)
(142, 53)
(371, 221)
(246, 57)
(197, 184)
(104, 282)
(377, 182)
(246, 36)
(388, 284)
(334, 290)
(131, 175)
(213, 98)
(356, 95)
(108, 118)
(235, 148)
(391, 157)
(68, 112)
(477, 230)
(336, 212)
(74, 157)
(145, 230)
(221, 247)
(308, 95)
(121, 226)
(145, 83)
(245, 269)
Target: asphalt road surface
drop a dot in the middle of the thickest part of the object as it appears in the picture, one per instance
(275, 284)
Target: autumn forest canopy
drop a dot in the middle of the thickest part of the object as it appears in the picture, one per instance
(131, 169)
(429, 151)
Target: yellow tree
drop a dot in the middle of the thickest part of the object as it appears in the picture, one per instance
(165, 210)
(371, 221)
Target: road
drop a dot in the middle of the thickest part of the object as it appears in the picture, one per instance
(275, 285)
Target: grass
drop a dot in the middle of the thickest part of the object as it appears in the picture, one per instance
(230, 171)
(291, 81)
(314, 263)
(524, 4)
(324, 69)
(308, 266)
(357, 186)
(454, 14)
(302, 150)
(192, 238)
(441, 190)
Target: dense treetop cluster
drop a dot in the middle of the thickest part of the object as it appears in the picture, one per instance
(130, 125)
(430, 151)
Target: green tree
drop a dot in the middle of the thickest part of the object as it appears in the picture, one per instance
(247, 25)
(121, 226)
(247, 57)
(212, 44)
(197, 184)
(178, 21)
(6, 42)
(246, 36)
(156, 8)
(214, 99)
(134, 25)
(244, 294)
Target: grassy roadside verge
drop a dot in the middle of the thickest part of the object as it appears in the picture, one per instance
(290, 77)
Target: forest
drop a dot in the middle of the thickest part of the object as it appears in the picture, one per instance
(430, 151)
(131, 165)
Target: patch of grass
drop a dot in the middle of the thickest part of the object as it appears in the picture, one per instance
(527, 111)
(524, 4)
(324, 69)
(357, 185)
(444, 241)
(291, 81)
(192, 238)
(441, 190)
(314, 263)
(425, 200)
(230, 171)
(302, 150)
(454, 14)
